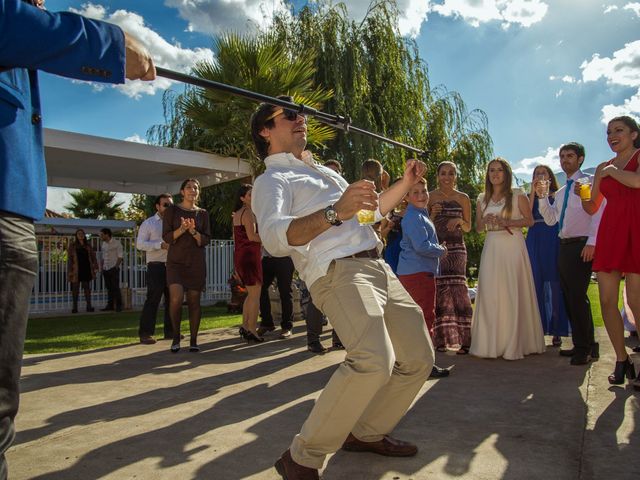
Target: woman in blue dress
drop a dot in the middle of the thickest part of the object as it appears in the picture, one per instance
(542, 245)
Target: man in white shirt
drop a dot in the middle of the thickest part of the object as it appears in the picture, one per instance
(307, 211)
(577, 233)
(150, 241)
(110, 265)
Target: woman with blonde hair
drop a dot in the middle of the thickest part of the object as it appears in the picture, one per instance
(506, 321)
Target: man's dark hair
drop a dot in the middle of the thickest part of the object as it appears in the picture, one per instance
(576, 147)
(161, 196)
(106, 231)
(258, 123)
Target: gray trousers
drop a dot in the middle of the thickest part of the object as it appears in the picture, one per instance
(18, 267)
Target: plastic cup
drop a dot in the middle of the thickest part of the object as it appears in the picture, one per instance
(544, 188)
(585, 188)
(366, 217)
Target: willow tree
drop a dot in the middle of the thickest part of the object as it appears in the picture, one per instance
(382, 84)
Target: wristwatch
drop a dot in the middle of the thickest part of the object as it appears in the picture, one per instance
(331, 216)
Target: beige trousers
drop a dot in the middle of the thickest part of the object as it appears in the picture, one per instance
(389, 357)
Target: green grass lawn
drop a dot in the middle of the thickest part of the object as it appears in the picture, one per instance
(76, 332)
(86, 332)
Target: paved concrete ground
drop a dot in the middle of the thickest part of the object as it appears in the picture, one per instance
(140, 412)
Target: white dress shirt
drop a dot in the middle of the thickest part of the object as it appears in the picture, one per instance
(291, 188)
(150, 239)
(577, 222)
(111, 252)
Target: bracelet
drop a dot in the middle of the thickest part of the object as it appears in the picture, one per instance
(195, 232)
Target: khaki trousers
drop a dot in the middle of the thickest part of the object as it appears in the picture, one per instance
(389, 357)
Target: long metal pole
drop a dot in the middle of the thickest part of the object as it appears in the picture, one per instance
(335, 121)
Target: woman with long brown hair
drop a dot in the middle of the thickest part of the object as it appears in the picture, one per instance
(506, 322)
(542, 245)
(185, 227)
(450, 210)
(617, 249)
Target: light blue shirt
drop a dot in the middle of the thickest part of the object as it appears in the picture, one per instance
(421, 251)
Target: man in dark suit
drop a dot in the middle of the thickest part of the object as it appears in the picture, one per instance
(65, 44)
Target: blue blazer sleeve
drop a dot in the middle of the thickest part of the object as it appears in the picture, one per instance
(61, 43)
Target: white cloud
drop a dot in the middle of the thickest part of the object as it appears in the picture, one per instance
(610, 8)
(214, 16)
(550, 157)
(520, 12)
(166, 55)
(565, 79)
(623, 68)
(136, 138)
(631, 106)
(634, 7)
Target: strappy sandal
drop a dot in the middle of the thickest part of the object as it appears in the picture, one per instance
(463, 351)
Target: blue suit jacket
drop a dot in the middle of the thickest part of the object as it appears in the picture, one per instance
(62, 43)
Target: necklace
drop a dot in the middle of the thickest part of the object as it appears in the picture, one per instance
(447, 195)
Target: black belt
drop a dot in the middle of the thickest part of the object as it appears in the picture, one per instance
(155, 263)
(567, 241)
(373, 253)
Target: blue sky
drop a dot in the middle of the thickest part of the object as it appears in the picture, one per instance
(545, 71)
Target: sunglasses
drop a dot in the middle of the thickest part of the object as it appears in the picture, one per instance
(166, 204)
(290, 115)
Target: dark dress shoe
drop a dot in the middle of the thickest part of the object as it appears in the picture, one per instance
(262, 330)
(91, 309)
(317, 348)
(106, 309)
(438, 372)
(337, 346)
(388, 446)
(595, 351)
(636, 349)
(147, 340)
(74, 310)
(580, 359)
(290, 470)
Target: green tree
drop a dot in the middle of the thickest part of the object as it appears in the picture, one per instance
(140, 208)
(95, 204)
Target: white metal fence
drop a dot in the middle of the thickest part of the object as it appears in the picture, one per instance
(52, 291)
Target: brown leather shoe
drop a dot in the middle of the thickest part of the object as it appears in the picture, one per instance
(388, 446)
(147, 340)
(291, 470)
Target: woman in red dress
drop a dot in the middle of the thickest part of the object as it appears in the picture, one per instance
(617, 249)
(247, 260)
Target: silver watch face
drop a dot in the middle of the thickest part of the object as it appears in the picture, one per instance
(331, 215)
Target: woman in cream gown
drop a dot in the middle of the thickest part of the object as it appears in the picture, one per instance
(506, 321)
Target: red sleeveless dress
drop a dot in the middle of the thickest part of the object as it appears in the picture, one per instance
(247, 257)
(618, 242)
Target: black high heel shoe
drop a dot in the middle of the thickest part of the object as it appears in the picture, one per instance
(624, 368)
(243, 332)
(175, 346)
(252, 337)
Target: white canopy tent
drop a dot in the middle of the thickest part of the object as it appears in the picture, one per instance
(76, 160)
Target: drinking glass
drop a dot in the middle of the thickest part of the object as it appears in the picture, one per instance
(585, 188)
(366, 217)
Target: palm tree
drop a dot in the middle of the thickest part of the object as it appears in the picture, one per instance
(216, 122)
(95, 204)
